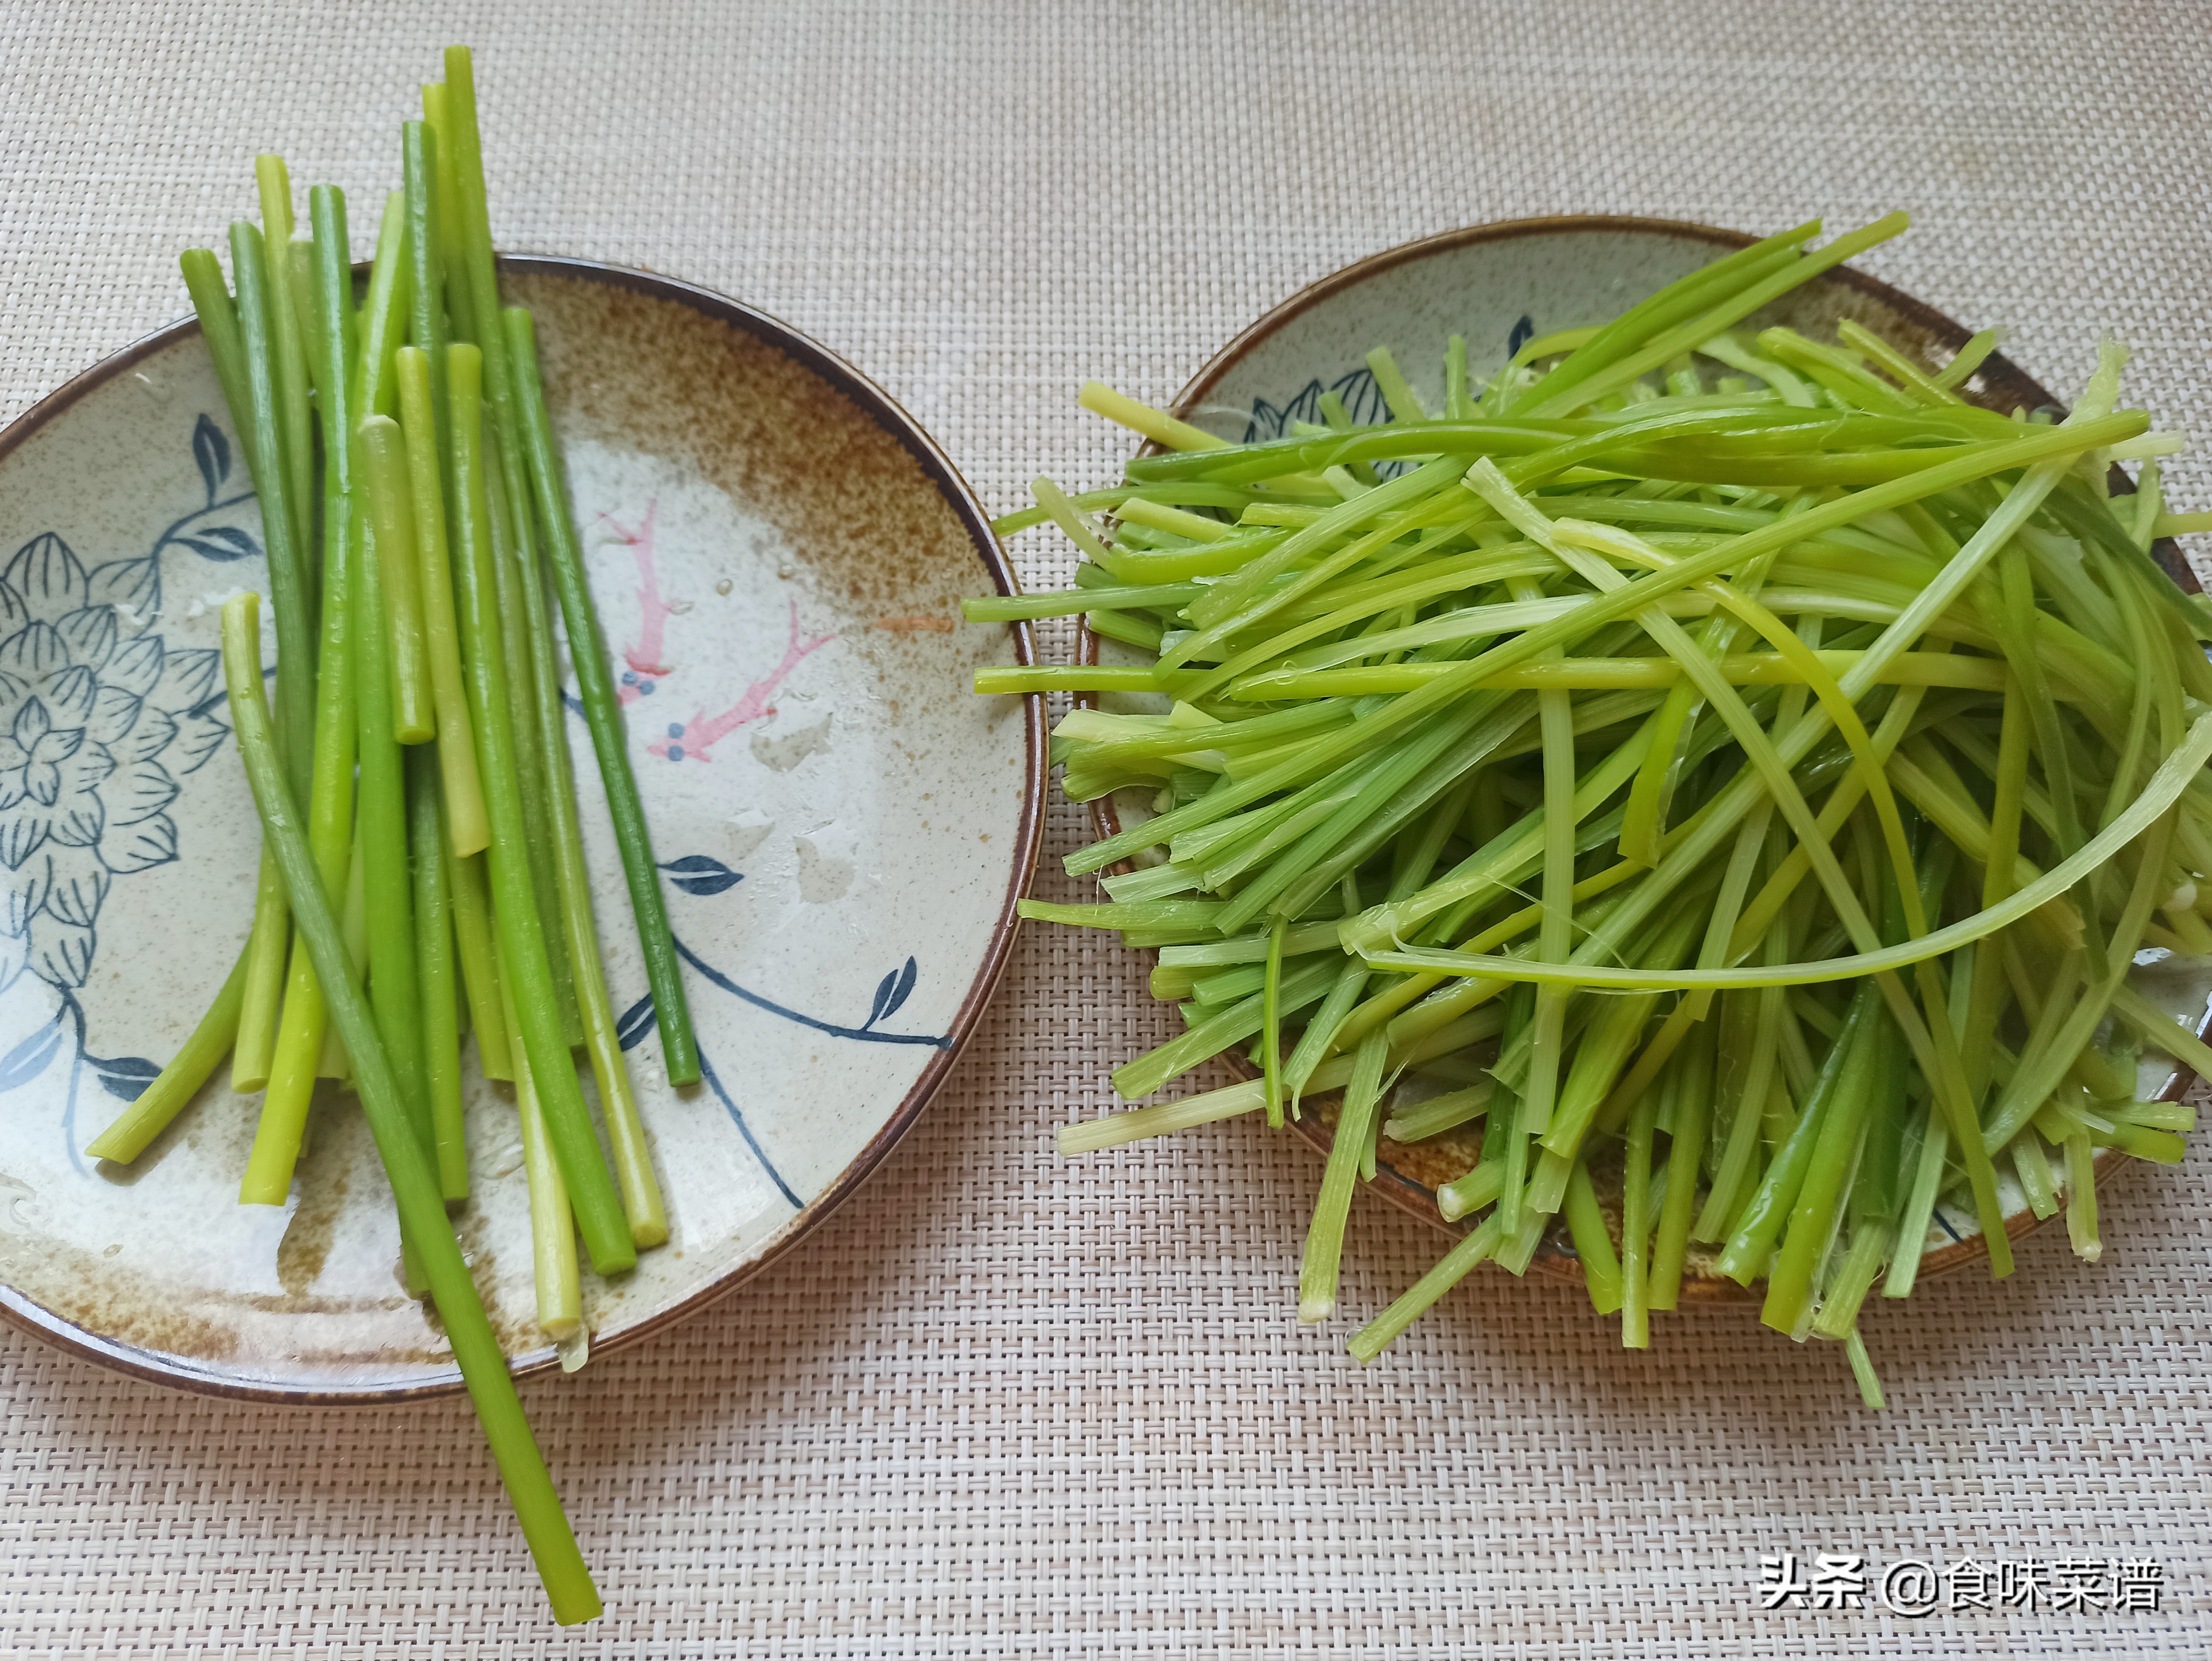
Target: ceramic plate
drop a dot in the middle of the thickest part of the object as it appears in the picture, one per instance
(842, 829)
(1500, 285)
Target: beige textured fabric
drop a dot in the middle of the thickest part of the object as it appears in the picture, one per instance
(1009, 1404)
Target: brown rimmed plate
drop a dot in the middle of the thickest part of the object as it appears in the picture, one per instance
(1500, 285)
(776, 549)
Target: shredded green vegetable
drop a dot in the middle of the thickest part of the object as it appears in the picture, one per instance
(1784, 759)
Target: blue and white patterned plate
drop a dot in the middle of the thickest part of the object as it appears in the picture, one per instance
(776, 551)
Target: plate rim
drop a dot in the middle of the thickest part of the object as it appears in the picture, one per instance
(27, 1315)
(1997, 372)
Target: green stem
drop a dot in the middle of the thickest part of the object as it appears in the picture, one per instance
(1636, 1226)
(552, 1228)
(288, 358)
(533, 755)
(522, 934)
(335, 1063)
(473, 929)
(1694, 1106)
(413, 1183)
(381, 329)
(126, 1138)
(601, 711)
(303, 1028)
(218, 317)
(295, 652)
(1751, 1243)
(433, 957)
(254, 1052)
(419, 398)
(399, 571)
(633, 1153)
(1593, 1244)
(1474, 1246)
(394, 975)
(1355, 1131)
(1271, 1023)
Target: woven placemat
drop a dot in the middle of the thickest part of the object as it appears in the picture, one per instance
(1007, 1404)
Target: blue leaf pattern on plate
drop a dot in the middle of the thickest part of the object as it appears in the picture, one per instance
(125, 1076)
(635, 1022)
(892, 992)
(222, 544)
(212, 450)
(1363, 401)
(701, 874)
(29, 1058)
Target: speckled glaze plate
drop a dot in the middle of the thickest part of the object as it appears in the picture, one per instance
(1500, 285)
(776, 551)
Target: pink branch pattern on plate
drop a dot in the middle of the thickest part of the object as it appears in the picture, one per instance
(691, 738)
(644, 658)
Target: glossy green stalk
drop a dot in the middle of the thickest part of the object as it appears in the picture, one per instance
(1678, 302)
(127, 1136)
(533, 755)
(289, 585)
(385, 483)
(2045, 1063)
(1347, 1152)
(381, 328)
(303, 1027)
(2082, 1197)
(1724, 314)
(633, 1151)
(2033, 448)
(394, 971)
(355, 931)
(522, 934)
(1751, 1242)
(1478, 1243)
(1735, 1167)
(302, 277)
(1459, 403)
(287, 355)
(435, 970)
(426, 259)
(1872, 1072)
(2164, 788)
(218, 318)
(419, 395)
(414, 1183)
(253, 1048)
(1871, 1247)
(587, 651)
(1635, 1222)
(1315, 1043)
(1919, 1208)
(513, 532)
(469, 885)
(552, 1227)
(1434, 1115)
(1694, 1107)
(1593, 1244)
(1555, 717)
(538, 680)
(445, 194)
(1271, 1023)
